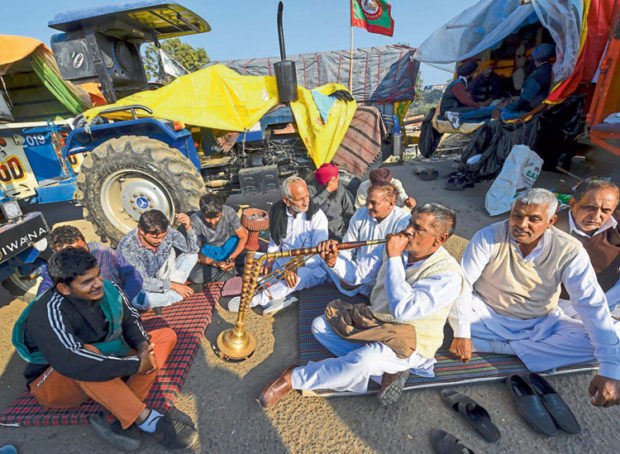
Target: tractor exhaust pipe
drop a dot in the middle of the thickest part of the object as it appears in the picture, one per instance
(286, 75)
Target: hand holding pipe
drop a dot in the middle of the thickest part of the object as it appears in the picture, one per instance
(236, 343)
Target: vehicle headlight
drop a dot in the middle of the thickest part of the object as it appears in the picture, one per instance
(40, 245)
(11, 209)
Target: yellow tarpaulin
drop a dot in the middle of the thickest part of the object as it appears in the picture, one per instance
(322, 140)
(217, 97)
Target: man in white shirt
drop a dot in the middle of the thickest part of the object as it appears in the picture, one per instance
(593, 220)
(355, 270)
(295, 222)
(418, 283)
(382, 176)
(514, 270)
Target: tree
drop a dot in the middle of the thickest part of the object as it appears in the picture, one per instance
(192, 59)
(433, 96)
(419, 84)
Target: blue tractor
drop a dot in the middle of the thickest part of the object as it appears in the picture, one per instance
(117, 169)
(139, 164)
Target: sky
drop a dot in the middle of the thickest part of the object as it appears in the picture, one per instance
(247, 28)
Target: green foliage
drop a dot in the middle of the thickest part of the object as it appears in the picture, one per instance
(192, 59)
(432, 96)
(419, 84)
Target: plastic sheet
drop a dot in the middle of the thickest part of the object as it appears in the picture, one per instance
(489, 21)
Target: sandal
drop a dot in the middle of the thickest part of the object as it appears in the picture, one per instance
(473, 413)
(428, 174)
(458, 183)
(445, 443)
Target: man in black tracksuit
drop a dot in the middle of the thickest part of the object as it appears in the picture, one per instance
(82, 339)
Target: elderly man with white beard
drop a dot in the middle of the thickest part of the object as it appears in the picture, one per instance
(294, 222)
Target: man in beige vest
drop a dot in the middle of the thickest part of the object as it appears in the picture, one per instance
(514, 270)
(416, 287)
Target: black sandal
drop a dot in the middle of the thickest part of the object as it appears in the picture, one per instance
(458, 183)
(473, 413)
(445, 443)
(428, 174)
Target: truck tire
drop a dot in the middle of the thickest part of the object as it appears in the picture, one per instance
(122, 178)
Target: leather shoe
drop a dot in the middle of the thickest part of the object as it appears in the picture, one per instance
(392, 387)
(272, 394)
(530, 406)
(555, 405)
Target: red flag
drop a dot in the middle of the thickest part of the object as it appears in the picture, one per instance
(373, 15)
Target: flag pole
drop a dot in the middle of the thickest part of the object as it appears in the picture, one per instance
(351, 52)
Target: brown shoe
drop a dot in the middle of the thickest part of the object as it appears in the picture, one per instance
(392, 387)
(272, 394)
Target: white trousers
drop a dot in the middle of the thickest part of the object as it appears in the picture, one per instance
(308, 277)
(175, 269)
(355, 365)
(363, 289)
(542, 343)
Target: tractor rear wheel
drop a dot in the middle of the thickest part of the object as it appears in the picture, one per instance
(122, 178)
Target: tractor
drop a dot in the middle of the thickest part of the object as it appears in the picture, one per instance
(134, 161)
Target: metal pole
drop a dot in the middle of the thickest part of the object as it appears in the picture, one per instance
(351, 52)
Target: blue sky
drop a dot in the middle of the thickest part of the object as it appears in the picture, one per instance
(247, 28)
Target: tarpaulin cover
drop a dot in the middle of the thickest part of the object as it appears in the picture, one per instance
(599, 14)
(489, 21)
(383, 74)
(16, 48)
(33, 56)
(217, 97)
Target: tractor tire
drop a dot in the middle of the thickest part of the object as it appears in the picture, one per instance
(122, 178)
(21, 286)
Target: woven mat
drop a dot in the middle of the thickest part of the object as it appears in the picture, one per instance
(188, 318)
(448, 371)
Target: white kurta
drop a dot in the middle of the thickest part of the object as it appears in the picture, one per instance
(547, 342)
(357, 363)
(300, 233)
(360, 266)
(613, 294)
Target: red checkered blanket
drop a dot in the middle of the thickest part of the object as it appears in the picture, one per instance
(188, 318)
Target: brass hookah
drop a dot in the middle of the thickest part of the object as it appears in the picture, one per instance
(238, 344)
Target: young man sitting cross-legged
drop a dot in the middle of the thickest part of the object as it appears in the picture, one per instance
(82, 339)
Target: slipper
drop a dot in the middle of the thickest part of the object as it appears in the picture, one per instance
(530, 406)
(428, 174)
(458, 183)
(555, 405)
(473, 413)
(445, 443)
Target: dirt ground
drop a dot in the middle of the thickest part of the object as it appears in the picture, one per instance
(222, 397)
